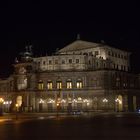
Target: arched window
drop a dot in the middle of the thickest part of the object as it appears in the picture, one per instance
(19, 100)
(59, 84)
(69, 84)
(40, 85)
(79, 83)
(49, 85)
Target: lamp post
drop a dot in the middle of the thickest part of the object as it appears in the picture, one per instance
(105, 101)
(86, 101)
(58, 107)
(118, 103)
(41, 102)
(16, 111)
(63, 101)
(58, 97)
(1, 103)
(74, 101)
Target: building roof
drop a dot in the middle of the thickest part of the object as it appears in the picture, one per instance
(79, 45)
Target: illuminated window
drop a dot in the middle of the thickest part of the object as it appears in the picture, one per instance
(49, 85)
(79, 98)
(69, 84)
(40, 85)
(59, 85)
(79, 84)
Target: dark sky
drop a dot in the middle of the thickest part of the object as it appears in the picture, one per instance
(51, 25)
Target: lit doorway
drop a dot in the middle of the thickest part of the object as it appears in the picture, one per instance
(119, 103)
(19, 100)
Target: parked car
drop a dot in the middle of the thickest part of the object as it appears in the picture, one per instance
(138, 110)
(78, 112)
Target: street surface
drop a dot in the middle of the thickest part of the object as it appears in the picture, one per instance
(94, 126)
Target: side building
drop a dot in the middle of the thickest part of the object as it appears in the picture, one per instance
(82, 76)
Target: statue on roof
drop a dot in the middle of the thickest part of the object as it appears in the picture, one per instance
(30, 48)
(16, 60)
(102, 41)
(78, 36)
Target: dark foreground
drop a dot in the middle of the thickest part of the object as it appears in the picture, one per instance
(118, 126)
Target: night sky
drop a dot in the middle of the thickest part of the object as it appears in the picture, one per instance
(52, 25)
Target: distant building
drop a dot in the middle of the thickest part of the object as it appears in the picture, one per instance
(81, 76)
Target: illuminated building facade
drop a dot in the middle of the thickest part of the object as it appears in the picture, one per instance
(82, 76)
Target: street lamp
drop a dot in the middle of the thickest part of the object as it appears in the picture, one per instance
(1, 103)
(17, 107)
(41, 102)
(105, 101)
(16, 110)
(74, 101)
(50, 103)
(7, 105)
(118, 103)
(63, 101)
(57, 108)
(86, 101)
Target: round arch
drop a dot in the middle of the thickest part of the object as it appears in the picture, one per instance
(19, 100)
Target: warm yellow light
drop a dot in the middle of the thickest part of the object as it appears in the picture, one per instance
(105, 100)
(57, 104)
(49, 85)
(63, 101)
(17, 105)
(85, 100)
(74, 100)
(51, 101)
(118, 101)
(79, 98)
(1, 100)
(41, 101)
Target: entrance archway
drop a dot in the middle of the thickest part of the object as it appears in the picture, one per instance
(19, 100)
